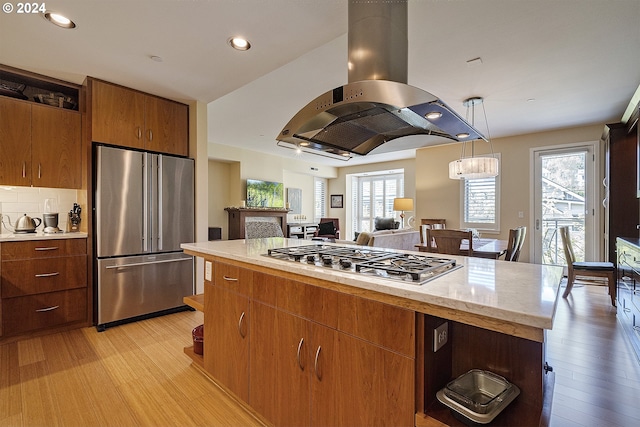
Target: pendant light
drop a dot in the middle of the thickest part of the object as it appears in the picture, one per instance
(474, 166)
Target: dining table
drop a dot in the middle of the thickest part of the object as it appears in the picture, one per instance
(482, 247)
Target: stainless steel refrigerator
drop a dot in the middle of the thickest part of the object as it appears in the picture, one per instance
(144, 210)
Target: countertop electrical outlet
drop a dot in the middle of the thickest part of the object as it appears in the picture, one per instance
(440, 336)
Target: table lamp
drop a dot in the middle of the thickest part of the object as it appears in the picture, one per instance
(402, 204)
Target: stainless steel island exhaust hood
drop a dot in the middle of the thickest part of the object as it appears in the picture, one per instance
(377, 105)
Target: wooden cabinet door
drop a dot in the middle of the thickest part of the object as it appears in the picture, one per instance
(56, 140)
(358, 383)
(15, 142)
(294, 368)
(327, 398)
(166, 126)
(226, 340)
(280, 366)
(263, 361)
(117, 115)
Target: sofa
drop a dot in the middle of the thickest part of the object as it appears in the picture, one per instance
(405, 239)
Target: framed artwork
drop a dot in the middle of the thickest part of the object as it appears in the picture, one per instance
(336, 201)
(294, 199)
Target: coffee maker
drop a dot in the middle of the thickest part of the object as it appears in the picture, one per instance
(50, 216)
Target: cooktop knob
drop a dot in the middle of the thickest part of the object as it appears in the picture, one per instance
(345, 263)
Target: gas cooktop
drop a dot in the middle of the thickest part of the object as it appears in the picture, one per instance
(411, 268)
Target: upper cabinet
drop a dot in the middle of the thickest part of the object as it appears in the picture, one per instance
(15, 142)
(117, 115)
(130, 118)
(56, 140)
(39, 145)
(622, 209)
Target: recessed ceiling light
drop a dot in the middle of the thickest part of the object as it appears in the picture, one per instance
(433, 115)
(59, 20)
(462, 135)
(239, 43)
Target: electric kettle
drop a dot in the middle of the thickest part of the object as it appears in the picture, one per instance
(26, 224)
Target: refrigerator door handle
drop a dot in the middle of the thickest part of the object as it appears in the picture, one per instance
(146, 240)
(160, 190)
(138, 264)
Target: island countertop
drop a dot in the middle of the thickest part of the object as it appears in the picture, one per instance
(510, 297)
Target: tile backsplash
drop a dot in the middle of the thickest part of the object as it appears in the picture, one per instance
(17, 201)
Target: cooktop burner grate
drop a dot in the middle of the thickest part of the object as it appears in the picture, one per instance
(413, 268)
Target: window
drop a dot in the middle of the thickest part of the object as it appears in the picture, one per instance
(319, 198)
(372, 196)
(480, 203)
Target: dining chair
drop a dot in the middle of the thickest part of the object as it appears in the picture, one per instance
(444, 241)
(260, 229)
(428, 223)
(587, 269)
(328, 228)
(515, 243)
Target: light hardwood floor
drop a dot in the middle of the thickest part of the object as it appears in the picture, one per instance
(137, 374)
(597, 372)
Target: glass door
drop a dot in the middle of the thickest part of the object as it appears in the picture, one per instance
(564, 196)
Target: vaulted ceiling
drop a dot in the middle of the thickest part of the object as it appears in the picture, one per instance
(545, 64)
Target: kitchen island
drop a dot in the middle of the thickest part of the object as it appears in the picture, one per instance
(332, 347)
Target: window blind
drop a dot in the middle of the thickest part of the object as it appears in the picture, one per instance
(480, 200)
(320, 198)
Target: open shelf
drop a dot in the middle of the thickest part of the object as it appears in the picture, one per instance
(439, 415)
(33, 84)
(195, 301)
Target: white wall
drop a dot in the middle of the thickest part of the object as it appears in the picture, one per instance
(230, 167)
(198, 151)
(339, 186)
(437, 196)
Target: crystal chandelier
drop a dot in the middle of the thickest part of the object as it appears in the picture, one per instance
(474, 166)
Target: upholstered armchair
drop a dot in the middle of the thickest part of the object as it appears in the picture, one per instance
(328, 228)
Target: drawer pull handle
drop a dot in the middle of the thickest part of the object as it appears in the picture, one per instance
(52, 248)
(230, 279)
(240, 325)
(315, 363)
(47, 309)
(298, 355)
(47, 274)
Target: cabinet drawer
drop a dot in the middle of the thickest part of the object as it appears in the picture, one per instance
(371, 320)
(233, 278)
(42, 311)
(26, 277)
(308, 301)
(43, 248)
